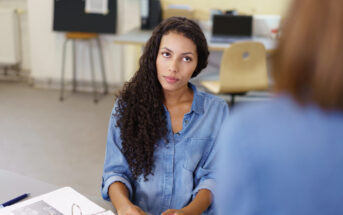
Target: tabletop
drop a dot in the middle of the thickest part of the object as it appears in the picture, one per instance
(13, 184)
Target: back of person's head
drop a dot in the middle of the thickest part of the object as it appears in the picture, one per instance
(309, 61)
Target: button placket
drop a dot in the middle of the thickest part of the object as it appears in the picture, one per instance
(168, 174)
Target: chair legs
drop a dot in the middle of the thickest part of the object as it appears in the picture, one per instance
(92, 71)
(91, 62)
(74, 66)
(232, 101)
(104, 82)
(63, 70)
(233, 95)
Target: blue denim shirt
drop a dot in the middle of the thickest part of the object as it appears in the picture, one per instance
(182, 167)
(278, 157)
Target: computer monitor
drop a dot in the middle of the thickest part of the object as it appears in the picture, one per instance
(231, 25)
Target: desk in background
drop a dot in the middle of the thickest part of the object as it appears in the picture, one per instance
(139, 37)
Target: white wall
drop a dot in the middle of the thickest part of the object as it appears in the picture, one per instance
(46, 45)
(202, 7)
(24, 32)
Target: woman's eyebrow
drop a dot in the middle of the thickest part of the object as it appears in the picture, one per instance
(167, 49)
(185, 53)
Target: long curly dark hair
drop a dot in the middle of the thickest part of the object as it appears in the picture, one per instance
(140, 112)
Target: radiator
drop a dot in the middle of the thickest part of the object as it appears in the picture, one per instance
(9, 37)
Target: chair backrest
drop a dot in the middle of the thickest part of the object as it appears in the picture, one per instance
(243, 68)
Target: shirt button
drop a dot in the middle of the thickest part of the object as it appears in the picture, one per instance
(178, 134)
(186, 121)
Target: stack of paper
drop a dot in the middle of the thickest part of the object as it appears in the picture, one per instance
(63, 201)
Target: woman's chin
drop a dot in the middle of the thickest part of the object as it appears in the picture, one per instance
(170, 87)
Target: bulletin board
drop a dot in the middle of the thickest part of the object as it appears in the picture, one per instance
(71, 16)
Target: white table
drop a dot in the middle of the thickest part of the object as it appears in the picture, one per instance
(13, 184)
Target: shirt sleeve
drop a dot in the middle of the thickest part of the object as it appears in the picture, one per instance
(116, 168)
(205, 173)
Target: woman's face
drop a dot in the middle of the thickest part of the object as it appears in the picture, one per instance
(176, 61)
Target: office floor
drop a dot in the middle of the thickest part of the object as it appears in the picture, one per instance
(62, 143)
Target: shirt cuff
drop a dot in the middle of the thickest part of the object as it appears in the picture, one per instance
(110, 181)
(208, 184)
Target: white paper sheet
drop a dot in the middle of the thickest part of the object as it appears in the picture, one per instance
(97, 6)
(60, 200)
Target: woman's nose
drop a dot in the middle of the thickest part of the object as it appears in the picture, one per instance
(172, 67)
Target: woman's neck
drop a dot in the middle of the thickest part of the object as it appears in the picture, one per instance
(179, 96)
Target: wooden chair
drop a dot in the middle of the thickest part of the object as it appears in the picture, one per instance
(73, 36)
(243, 68)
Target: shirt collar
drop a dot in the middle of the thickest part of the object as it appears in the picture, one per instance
(198, 100)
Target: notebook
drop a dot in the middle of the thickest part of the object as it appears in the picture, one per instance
(231, 28)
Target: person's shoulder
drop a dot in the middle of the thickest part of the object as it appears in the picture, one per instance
(115, 106)
(268, 107)
(115, 109)
(253, 121)
(210, 99)
(253, 114)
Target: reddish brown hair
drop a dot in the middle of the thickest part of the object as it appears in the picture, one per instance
(309, 61)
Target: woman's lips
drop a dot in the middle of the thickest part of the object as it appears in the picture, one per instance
(170, 80)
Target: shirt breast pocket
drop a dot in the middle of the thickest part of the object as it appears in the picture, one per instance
(196, 150)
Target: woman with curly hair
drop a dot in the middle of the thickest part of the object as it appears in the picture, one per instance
(161, 138)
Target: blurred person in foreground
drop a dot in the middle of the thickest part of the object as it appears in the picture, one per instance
(285, 156)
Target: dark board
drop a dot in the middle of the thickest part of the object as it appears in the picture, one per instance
(69, 15)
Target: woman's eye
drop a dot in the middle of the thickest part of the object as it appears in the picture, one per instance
(165, 54)
(187, 59)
